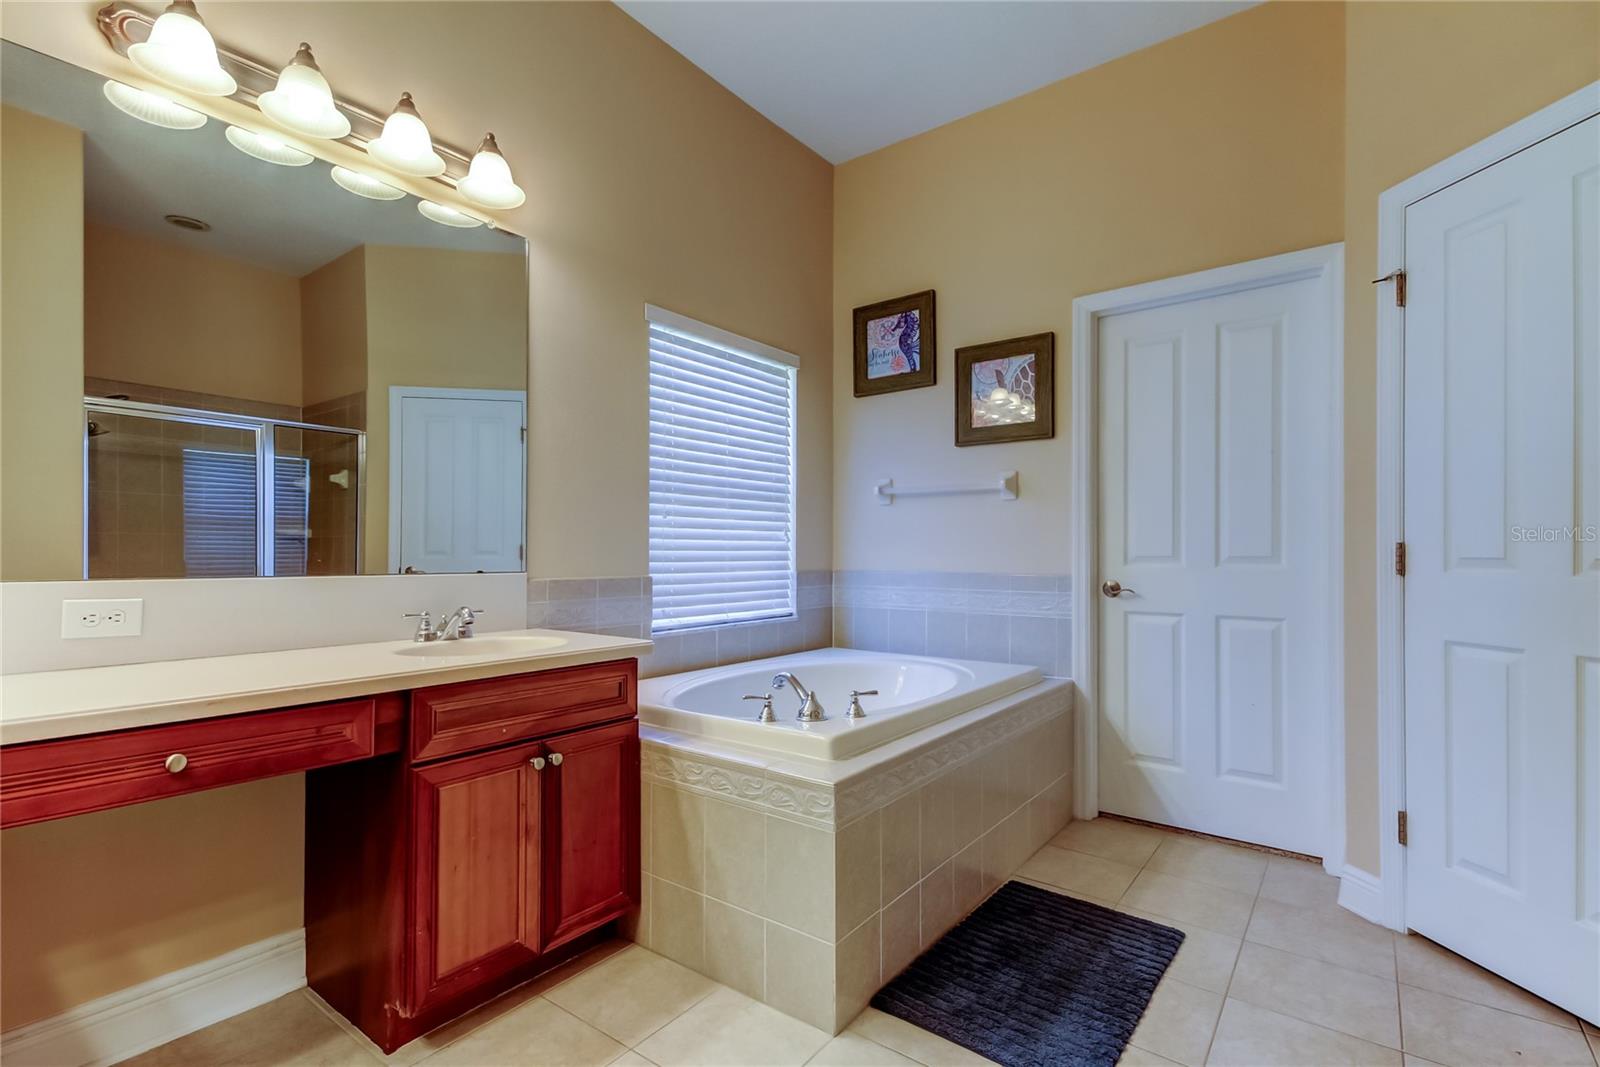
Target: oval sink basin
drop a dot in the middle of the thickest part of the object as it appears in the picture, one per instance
(484, 646)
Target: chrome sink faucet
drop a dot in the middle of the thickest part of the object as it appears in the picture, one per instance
(810, 706)
(456, 626)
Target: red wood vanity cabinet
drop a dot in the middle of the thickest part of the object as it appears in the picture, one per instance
(499, 841)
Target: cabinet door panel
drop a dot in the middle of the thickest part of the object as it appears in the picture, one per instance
(591, 830)
(477, 822)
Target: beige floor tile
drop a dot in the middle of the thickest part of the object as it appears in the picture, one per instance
(1248, 1036)
(1079, 873)
(1428, 966)
(537, 1032)
(1417, 1061)
(1134, 1056)
(1206, 957)
(1178, 1022)
(1111, 839)
(631, 994)
(1341, 999)
(289, 1030)
(1336, 936)
(1593, 1037)
(1224, 866)
(1300, 884)
(1464, 1034)
(852, 1050)
(631, 1059)
(728, 1029)
(912, 1041)
(1214, 908)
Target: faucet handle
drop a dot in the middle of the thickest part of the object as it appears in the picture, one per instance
(855, 711)
(424, 624)
(767, 714)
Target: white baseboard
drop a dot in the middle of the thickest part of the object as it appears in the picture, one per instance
(137, 1019)
(1362, 892)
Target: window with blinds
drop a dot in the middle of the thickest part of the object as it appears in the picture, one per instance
(721, 476)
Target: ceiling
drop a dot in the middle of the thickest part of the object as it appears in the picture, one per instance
(847, 77)
(286, 219)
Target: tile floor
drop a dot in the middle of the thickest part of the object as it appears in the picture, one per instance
(1272, 974)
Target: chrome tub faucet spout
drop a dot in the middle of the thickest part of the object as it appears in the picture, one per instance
(810, 706)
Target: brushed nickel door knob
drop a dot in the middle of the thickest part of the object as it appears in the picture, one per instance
(1113, 588)
(538, 763)
(177, 762)
(555, 759)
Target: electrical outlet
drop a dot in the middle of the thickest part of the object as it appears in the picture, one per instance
(101, 618)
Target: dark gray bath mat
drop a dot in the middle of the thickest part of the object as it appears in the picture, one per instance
(1034, 978)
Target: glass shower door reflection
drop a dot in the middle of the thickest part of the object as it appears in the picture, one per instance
(316, 501)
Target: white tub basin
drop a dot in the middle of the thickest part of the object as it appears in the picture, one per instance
(913, 692)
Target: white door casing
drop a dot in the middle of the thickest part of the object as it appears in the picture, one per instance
(1502, 584)
(456, 480)
(1216, 450)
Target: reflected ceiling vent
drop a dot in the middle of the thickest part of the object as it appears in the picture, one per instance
(187, 222)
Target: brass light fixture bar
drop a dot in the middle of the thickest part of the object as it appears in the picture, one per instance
(122, 25)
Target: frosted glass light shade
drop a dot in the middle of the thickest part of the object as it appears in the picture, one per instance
(302, 100)
(153, 108)
(180, 52)
(353, 181)
(488, 181)
(267, 148)
(405, 144)
(446, 215)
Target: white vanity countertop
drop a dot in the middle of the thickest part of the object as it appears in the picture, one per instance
(53, 704)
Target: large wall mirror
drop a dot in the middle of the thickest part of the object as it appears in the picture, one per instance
(275, 376)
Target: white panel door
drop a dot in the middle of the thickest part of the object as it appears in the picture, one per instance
(1214, 439)
(459, 480)
(1502, 587)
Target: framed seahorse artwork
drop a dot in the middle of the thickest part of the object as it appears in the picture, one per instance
(894, 344)
(1005, 390)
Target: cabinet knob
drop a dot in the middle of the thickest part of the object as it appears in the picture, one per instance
(538, 763)
(177, 762)
(555, 759)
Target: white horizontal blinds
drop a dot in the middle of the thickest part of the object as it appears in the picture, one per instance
(219, 514)
(721, 483)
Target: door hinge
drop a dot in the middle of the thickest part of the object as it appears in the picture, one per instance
(1402, 828)
(1399, 279)
(1400, 558)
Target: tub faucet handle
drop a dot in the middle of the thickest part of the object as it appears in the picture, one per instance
(767, 714)
(855, 710)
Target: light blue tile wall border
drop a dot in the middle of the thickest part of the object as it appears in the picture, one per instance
(1004, 618)
(620, 607)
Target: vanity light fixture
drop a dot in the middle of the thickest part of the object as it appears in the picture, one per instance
(353, 181)
(446, 215)
(488, 182)
(267, 148)
(303, 101)
(181, 53)
(153, 108)
(405, 144)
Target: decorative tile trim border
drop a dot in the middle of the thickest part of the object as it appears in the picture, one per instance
(751, 783)
(1002, 594)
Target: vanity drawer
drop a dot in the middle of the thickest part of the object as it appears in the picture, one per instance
(50, 779)
(448, 720)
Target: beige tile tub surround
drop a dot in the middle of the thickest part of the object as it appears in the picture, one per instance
(808, 885)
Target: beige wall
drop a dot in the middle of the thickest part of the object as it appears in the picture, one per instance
(1217, 146)
(41, 311)
(213, 325)
(434, 318)
(97, 903)
(1422, 81)
(647, 182)
(333, 329)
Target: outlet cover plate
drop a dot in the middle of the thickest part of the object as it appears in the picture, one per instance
(101, 618)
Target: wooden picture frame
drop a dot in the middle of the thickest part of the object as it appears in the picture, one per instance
(881, 347)
(1005, 390)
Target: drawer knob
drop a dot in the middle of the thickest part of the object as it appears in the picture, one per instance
(555, 759)
(177, 762)
(538, 763)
